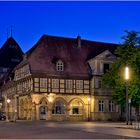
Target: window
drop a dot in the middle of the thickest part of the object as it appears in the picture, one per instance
(3, 70)
(15, 60)
(19, 87)
(75, 110)
(69, 84)
(111, 106)
(22, 72)
(101, 106)
(55, 83)
(79, 84)
(76, 107)
(43, 82)
(105, 68)
(59, 108)
(12, 46)
(60, 65)
(98, 83)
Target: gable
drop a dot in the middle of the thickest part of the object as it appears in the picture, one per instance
(106, 55)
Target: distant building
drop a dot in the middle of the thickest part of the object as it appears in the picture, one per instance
(60, 79)
(10, 56)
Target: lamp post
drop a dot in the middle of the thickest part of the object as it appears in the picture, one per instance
(89, 108)
(129, 103)
(8, 102)
(126, 85)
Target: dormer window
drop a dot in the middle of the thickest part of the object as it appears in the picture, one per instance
(59, 65)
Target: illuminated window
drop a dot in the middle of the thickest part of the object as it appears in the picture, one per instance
(111, 106)
(69, 84)
(59, 65)
(76, 107)
(101, 106)
(59, 108)
(79, 84)
(43, 82)
(55, 83)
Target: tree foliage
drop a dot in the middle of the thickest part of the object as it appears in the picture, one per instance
(127, 53)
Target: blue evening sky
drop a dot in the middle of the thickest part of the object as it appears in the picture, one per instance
(98, 21)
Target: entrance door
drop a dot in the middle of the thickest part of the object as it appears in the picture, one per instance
(43, 112)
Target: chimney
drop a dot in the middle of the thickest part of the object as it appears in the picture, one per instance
(79, 41)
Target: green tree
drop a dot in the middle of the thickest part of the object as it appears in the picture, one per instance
(127, 53)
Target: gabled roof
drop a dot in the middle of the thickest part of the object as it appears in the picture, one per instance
(41, 55)
(10, 53)
(106, 54)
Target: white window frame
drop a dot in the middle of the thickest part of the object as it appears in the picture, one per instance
(59, 65)
(101, 106)
(111, 106)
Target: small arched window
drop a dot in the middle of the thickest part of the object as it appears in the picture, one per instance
(59, 65)
(59, 107)
(76, 107)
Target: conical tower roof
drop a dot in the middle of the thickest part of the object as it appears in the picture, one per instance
(10, 53)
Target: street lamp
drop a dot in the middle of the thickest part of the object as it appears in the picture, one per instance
(129, 103)
(89, 108)
(126, 85)
(8, 102)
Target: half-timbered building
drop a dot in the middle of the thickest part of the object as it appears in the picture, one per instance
(60, 79)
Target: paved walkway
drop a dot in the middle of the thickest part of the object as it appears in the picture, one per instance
(66, 130)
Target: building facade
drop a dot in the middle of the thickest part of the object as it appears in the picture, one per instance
(60, 79)
(10, 55)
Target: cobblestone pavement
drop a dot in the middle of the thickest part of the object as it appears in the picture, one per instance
(65, 130)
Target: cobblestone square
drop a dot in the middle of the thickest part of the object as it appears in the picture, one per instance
(65, 130)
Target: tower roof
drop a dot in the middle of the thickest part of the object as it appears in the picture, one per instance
(10, 53)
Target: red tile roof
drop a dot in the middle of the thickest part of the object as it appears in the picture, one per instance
(49, 48)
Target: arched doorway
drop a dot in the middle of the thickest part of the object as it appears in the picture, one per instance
(43, 109)
(43, 112)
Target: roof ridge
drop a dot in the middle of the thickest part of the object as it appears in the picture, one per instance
(46, 35)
